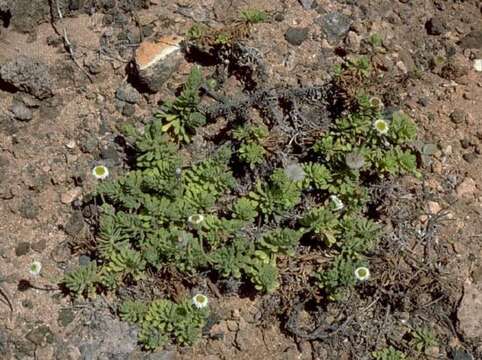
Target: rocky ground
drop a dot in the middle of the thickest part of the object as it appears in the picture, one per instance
(67, 86)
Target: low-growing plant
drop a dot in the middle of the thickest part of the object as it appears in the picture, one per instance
(169, 212)
(163, 321)
(181, 117)
(254, 16)
(422, 339)
(389, 353)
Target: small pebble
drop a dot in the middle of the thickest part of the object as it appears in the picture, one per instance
(71, 195)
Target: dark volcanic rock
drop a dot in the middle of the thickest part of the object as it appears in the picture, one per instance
(296, 36)
(335, 25)
(435, 26)
(28, 75)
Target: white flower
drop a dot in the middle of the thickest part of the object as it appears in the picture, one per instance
(195, 219)
(478, 65)
(381, 126)
(377, 103)
(338, 204)
(200, 301)
(35, 268)
(100, 172)
(362, 273)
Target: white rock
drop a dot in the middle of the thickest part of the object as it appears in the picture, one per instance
(478, 65)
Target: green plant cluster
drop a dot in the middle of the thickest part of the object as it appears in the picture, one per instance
(251, 150)
(389, 353)
(180, 117)
(169, 212)
(162, 321)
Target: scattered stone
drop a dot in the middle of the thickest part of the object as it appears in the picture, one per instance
(435, 26)
(455, 68)
(23, 347)
(39, 246)
(461, 354)
(296, 35)
(353, 41)
(458, 116)
(64, 351)
(28, 209)
(40, 335)
(28, 75)
(128, 93)
(465, 143)
(335, 25)
(466, 188)
(473, 40)
(469, 313)
(110, 154)
(154, 63)
(128, 110)
(20, 111)
(470, 157)
(66, 316)
(308, 4)
(75, 4)
(54, 40)
(22, 249)
(70, 195)
(433, 207)
(76, 225)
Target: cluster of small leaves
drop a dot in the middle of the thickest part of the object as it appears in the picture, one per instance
(254, 16)
(389, 353)
(181, 117)
(251, 150)
(422, 339)
(162, 322)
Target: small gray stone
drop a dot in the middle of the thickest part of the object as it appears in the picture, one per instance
(22, 249)
(458, 116)
(307, 4)
(21, 112)
(76, 225)
(40, 245)
(335, 25)
(40, 335)
(435, 26)
(75, 4)
(470, 157)
(473, 40)
(461, 354)
(128, 110)
(28, 209)
(110, 154)
(296, 36)
(66, 316)
(88, 351)
(128, 94)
